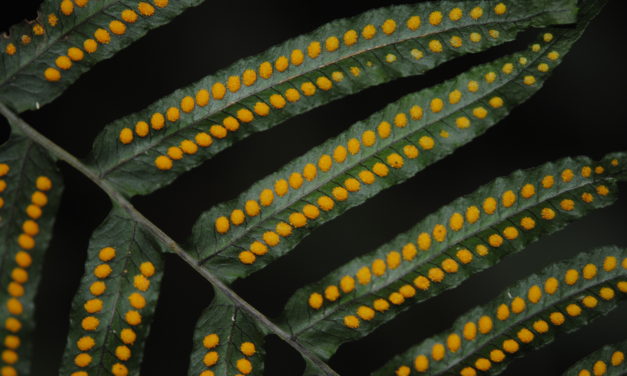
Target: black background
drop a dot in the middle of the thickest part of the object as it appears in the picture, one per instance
(581, 110)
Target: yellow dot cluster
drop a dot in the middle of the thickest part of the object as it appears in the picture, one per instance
(94, 306)
(425, 241)
(211, 342)
(37, 30)
(19, 274)
(265, 70)
(101, 36)
(4, 171)
(453, 342)
(311, 171)
(600, 367)
(252, 208)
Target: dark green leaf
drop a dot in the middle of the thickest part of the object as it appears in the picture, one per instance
(30, 189)
(568, 308)
(227, 341)
(351, 68)
(33, 47)
(132, 288)
(608, 360)
(418, 143)
(408, 267)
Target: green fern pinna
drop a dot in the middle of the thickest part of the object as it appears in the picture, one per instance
(136, 155)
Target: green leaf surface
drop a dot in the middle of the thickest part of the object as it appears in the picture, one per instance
(131, 281)
(487, 93)
(405, 264)
(30, 189)
(227, 341)
(608, 360)
(23, 84)
(129, 162)
(592, 295)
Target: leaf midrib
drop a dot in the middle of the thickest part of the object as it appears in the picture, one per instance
(150, 145)
(369, 152)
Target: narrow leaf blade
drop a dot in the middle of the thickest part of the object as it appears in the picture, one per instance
(447, 247)
(537, 314)
(389, 147)
(36, 65)
(227, 341)
(30, 190)
(115, 302)
(147, 150)
(608, 360)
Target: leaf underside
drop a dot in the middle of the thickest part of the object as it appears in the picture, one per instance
(114, 305)
(405, 264)
(222, 341)
(28, 205)
(591, 296)
(36, 45)
(420, 141)
(350, 68)
(132, 286)
(610, 358)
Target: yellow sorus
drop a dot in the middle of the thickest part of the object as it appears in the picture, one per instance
(455, 14)
(67, 7)
(380, 169)
(90, 323)
(413, 23)
(534, 294)
(389, 26)
(573, 310)
(265, 70)
(53, 19)
(117, 27)
(141, 283)
(332, 43)
(496, 102)
(435, 46)
(102, 36)
(283, 229)
(350, 37)
(313, 50)
(435, 18)
(476, 13)
(129, 15)
(456, 41)
(297, 57)
(145, 9)
(315, 300)
(472, 214)
(351, 322)
(475, 37)
(52, 75)
(90, 45)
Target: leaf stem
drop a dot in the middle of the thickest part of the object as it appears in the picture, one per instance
(117, 198)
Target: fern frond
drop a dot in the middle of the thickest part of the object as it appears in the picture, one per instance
(560, 299)
(608, 360)
(115, 302)
(227, 341)
(30, 189)
(147, 150)
(467, 236)
(239, 237)
(39, 59)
